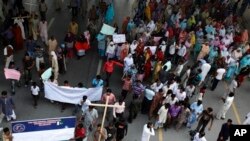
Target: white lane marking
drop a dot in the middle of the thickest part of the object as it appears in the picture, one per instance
(99, 67)
(51, 22)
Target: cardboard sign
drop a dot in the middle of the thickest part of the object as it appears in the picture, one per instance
(107, 30)
(12, 74)
(119, 38)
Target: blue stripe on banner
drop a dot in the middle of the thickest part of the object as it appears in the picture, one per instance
(43, 124)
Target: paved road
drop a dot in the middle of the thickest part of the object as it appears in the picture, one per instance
(85, 69)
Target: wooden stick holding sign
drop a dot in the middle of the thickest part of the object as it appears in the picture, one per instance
(106, 106)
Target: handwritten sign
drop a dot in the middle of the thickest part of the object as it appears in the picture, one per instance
(119, 38)
(107, 30)
(12, 74)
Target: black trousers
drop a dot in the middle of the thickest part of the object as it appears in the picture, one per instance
(35, 99)
(145, 106)
(201, 125)
(215, 83)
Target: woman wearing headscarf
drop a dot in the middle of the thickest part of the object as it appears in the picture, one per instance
(244, 62)
(110, 52)
(81, 46)
(147, 13)
(157, 69)
(147, 69)
(101, 44)
(124, 51)
(55, 67)
(17, 32)
(204, 51)
(109, 14)
(213, 53)
(231, 70)
(69, 43)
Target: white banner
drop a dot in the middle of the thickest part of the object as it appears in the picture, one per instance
(70, 94)
(119, 38)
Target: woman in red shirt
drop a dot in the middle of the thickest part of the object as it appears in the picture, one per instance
(109, 68)
(80, 133)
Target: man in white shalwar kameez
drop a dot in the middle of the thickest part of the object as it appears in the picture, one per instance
(128, 62)
(148, 131)
(225, 107)
(205, 68)
(43, 29)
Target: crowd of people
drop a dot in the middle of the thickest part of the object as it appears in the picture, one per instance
(174, 52)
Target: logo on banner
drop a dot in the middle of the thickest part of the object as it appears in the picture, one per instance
(19, 128)
(239, 132)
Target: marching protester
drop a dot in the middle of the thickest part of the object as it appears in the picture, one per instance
(148, 130)
(225, 131)
(8, 106)
(35, 93)
(227, 102)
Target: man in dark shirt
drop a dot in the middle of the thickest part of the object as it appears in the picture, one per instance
(204, 118)
(225, 131)
(121, 129)
(28, 64)
(111, 131)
